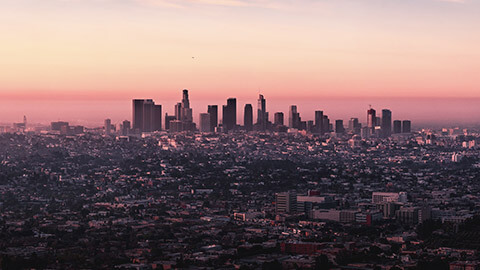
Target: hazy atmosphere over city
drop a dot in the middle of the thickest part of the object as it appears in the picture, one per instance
(240, 134)
(99, 54)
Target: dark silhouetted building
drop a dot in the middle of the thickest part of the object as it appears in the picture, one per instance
(178, 111)
(406, 126)
(205, 122)
(168, 119)
(126, 126)
(230, 114)
(371, 120)
(138, 115)
(397, 126)
(262, 116)
(354, 126)
(147, 116)
(310, 126)
(386, 123)
(326, 124)
(108, 126)
(213, 111)
(57, 126)
(183, 114)
(293, 117)
(248, 117)
(339, 128)
(319, 128)
(187, 114)
(157, 117)
(278, 119)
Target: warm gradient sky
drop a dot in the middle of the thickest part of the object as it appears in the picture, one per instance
(114, 50)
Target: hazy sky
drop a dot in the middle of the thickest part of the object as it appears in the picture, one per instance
(292, 50)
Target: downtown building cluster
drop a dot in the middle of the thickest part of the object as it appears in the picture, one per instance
(146, 119)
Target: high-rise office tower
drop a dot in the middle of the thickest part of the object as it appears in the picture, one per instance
(126, 127)
(146, 115)
(157, 118)
(168, 119)
(230, 114)
(148, 111)
(279, 119)
(354, 126)
(310, 126)
(213, 111)
(187, 114)
(205, 122)
(138, 115)
(262, 113)
(248, 117)
(185, 100)
(406, 126)
(371, 120)
(293, 117)
(319, 128)
(108, 126)
(397, 126)
(386, 123)
(326, 124)
(178, 111)
(339, 128)
(183, 114)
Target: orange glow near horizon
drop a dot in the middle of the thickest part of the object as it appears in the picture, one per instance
(108, 50)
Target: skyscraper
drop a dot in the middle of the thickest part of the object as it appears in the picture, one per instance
(126, 127)
(248, 117)
(187, 115)
(386, 123)
(108, 126)
(157, 118)
(371, 120)
(138, 115)
(279, 119)
(205, 122)
(148, 111)
(339, 128)
(230, 114)
(326, 124)
(168, 120)
(354, 126)
(397, 126)
(262, 113)
(178, 111)
(146, 115)
(406, 126)
(293, 117)
(183, 114)
(213, 111)
(319, 122)
(310, 126)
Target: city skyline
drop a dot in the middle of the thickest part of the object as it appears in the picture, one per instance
(93, 113)
(457, 112)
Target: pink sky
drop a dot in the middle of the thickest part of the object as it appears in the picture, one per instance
(302, 50)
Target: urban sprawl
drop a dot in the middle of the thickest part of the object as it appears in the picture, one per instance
(153, 194)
